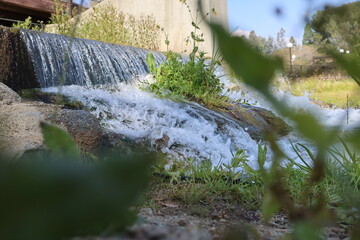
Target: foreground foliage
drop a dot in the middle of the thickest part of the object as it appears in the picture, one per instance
(307, 219)
(57, 195)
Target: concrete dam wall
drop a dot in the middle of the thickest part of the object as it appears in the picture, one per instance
(175, 18)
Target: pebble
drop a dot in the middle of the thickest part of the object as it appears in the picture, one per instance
(182, 223)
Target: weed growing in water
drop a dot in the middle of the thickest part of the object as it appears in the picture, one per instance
(192, 80)
(192, 77)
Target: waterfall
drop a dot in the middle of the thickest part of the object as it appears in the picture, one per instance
(62, 60)
(98, 75)
(192, 130)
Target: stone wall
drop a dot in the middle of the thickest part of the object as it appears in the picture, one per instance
(16, 68)
(174, 17)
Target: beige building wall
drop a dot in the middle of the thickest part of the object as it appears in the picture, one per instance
(174, 17)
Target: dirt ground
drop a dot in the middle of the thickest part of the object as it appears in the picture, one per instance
(170, 220)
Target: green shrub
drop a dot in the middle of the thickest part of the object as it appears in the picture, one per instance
(192, 77)
(107, 24)
(27, 24)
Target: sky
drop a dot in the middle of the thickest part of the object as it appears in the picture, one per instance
(260, 15)
(85, 3)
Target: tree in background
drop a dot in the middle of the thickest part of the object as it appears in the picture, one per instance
(261, 44)
(257, 41)
(269, 45)
(338, 27)
(293, 41)
(280, 39)
(308, 37)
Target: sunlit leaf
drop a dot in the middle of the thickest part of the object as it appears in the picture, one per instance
(151, 63)
(59, 141)
(195, 25)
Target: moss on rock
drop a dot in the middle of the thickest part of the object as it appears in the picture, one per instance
(256, 121)
(53, 98)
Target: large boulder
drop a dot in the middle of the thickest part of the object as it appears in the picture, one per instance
(82, 126)
(256, 121)
(19, 124)
(7, 95)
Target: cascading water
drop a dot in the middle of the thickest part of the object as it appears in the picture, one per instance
(97, 74)
(193, 131)
(62, 60)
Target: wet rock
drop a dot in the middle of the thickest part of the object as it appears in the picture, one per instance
(166, 232)
(182, 223)
(19, 124)
(256, 121)
(162, 142)
(124, 143)
(53, 98)
(82, 126)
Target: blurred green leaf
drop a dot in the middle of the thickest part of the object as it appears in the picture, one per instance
(306, 231)
(57, 199)
(151, 62)
(59, 141)
(255, 69)
(310, 127)
(350, 64)
(354, 137)
(270, 206)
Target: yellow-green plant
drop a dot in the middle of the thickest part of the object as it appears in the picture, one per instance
(191, 77)
(107, 24)
(28, 24)
(62, 20)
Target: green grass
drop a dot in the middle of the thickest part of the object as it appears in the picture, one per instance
(207, 184)
(329, 92)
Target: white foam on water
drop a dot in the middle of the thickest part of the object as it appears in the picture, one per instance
(192, 130)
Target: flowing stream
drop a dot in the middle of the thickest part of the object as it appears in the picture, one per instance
(98, 74)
